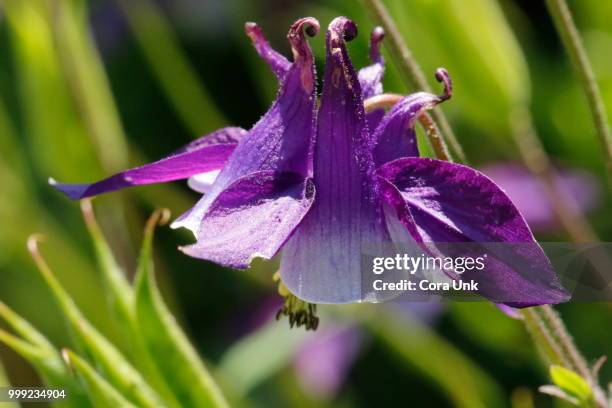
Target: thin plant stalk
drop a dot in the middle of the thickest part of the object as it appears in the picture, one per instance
(537, 161)
(563, 204)
(570, 37)
(557, 347)
(413, 75)
(548, 331)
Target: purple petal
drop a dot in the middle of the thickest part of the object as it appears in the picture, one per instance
(203, 182)
(370, 77)
(252, 217)
(323, 362)
(228, 135)
(277, 62)
(321, 263)
(395, 136)
(206, 154)
(454, 203)
(527, 192)
(509, 311)
(282, 139)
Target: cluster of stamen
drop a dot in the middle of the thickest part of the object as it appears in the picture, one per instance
(299, 312)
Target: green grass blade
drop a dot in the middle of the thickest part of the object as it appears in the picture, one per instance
(101, 392)
(24, 328)
(50, 367)
(121, 296)
(4, 382)
(116, 286)
(87, 81)
(112, 363)
(175, 357)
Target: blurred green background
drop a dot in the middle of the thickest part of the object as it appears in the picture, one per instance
(91, 87)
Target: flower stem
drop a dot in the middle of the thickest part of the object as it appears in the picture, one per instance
(573, 44)
(557, 346)
(543, 338)
(562, 203)
(412, 74)
(537, 161)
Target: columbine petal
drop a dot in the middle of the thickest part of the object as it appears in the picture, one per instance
(206, 154)
(252, 218)
(370, 77)
(395, 135)
(321, 263)
(203, 182)
(454, 203)
(277, 62)
(281, 143)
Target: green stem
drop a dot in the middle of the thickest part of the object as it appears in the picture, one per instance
(537, 161)
(573, 44)
(412, 72)
(542, 337)
(556, 344)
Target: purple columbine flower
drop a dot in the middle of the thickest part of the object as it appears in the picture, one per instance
(321, 182)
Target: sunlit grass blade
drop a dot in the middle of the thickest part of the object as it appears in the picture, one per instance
(24, 328)
(116, 286)
(55, 131)
(88, 83)
(101, 392)
(175, 357)
(169, 63)
(115, 367)
(121, 296)
(28, 351)
(4, 382)
(40, 353)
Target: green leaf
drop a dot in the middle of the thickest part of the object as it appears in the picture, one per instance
(101, 392)
(116, 286)
(88, 83)
(571, 383)
(4, 382)
(176, 359)
(50, 367)
(24, 328)
(111, 362)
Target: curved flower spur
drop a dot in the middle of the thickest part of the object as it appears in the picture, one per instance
(322, 182)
